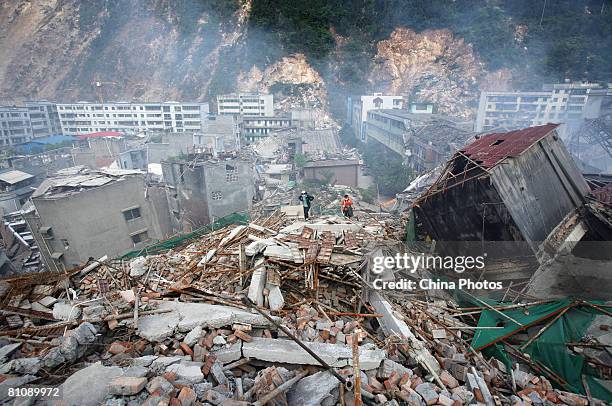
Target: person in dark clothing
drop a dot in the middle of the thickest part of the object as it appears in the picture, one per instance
(305, 198)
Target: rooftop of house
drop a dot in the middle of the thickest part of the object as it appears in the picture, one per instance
(491, 149)
(13, 176)
(77, 179)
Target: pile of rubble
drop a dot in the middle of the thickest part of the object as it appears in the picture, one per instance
(269, 312)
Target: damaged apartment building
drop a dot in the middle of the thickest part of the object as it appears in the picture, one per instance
(81, 213)
(423, 140)
(202, 188)
(517, 196)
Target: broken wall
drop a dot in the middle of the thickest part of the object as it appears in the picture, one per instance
(539, 188)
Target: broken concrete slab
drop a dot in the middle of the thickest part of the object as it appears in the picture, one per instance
(258, 283)
(336, 355)
(89, 386)
(276, 301)
(190, 371)
(313, 390)
(85, 333)
(193, 336)
(136, 371)
(228, 354)
(65, 311)
(22, 366)
(184, 317)
(393, 325)
(144, 361)
(161, 363)
(127, 385)
(7, 350)
(138, 267)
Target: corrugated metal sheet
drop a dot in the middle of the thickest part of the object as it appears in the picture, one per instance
(491, 149)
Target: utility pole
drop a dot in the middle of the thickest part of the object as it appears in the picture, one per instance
(542, 16)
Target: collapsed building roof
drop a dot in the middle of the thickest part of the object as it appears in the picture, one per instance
(79, 178)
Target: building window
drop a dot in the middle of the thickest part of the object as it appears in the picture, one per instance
(140, 237)
(216, 195)
(133, 213)
(231, 173)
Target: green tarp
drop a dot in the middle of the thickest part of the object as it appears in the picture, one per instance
(550, 348)
(181, 239)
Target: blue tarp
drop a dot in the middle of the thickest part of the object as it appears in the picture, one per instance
(38, 144)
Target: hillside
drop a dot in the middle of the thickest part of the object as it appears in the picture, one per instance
(310, 53)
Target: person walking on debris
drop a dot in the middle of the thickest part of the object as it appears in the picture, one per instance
(347, 206)
(305, 198)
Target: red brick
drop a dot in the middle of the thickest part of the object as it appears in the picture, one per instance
(117, 348)
(243, 336)
(187, 397)
(186, 349)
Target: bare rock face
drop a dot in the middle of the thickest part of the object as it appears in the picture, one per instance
(433, 66)
(294, 83)
(135, 49)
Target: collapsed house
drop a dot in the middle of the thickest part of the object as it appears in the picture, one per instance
(202, 188)
(509, 192)
(264, 311)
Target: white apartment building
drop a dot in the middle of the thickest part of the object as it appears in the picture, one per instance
(44, 118)
(563, 103)
(255, 128)
(358, 110)
(84, 117)
(246, 104)
(15, 126)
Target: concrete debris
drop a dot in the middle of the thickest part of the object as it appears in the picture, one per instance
(89, 386)
(172, 327)
(314, 390)
(288, 352)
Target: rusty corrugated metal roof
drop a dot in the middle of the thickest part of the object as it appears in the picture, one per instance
(491, 149)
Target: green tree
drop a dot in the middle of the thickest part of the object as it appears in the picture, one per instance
(299, 160)
(386, 168)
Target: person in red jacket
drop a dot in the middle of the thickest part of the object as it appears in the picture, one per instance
(346, 206)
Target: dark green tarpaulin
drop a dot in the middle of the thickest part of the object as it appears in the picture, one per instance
(550, 348)
(181, 239)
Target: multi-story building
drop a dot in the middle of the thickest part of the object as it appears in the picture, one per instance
(201, 189)
(255, 128)
(15, 189)
(44, 118)
(15, 126)
(82, 213)
(246, 104)
(85, 117)
(565, 103)
(219, 134)
(423, 140)
(358, 108)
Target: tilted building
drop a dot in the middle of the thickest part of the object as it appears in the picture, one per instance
(359, 106)
(422, 140)
(44, 118)
(15, 126)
